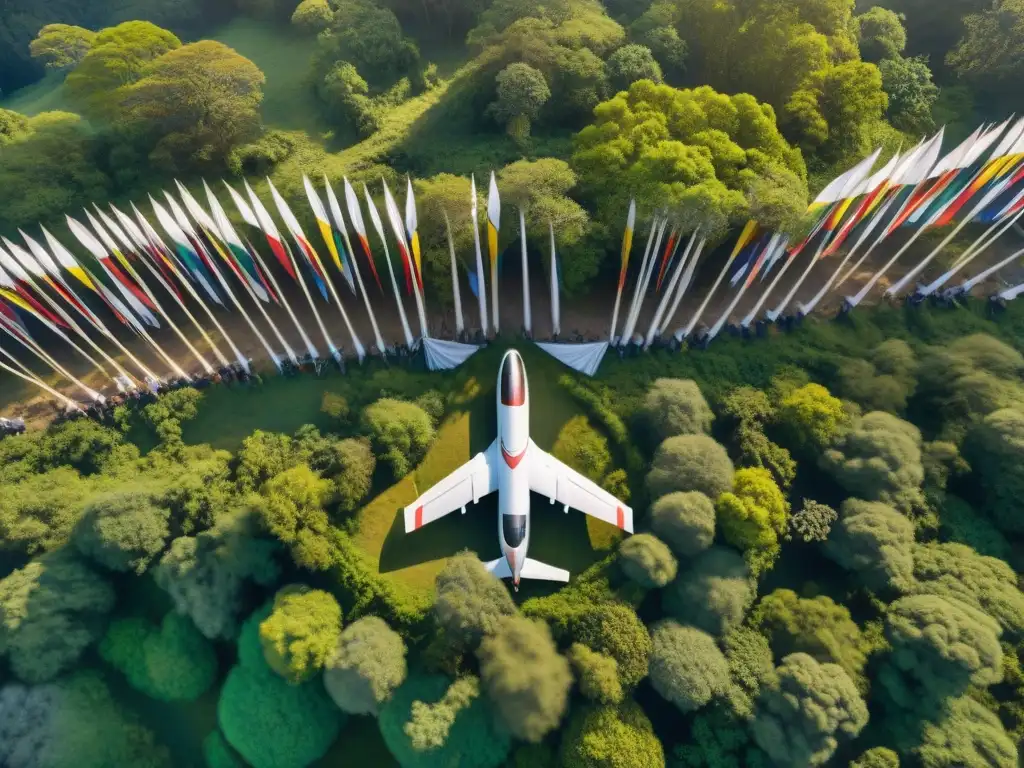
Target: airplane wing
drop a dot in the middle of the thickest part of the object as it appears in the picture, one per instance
(550, 477)
(468, 483)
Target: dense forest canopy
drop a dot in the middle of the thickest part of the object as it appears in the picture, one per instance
(826, 569)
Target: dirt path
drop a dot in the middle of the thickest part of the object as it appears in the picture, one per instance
(589, 316)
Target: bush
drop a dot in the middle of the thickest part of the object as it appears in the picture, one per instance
(470, 601)
(812, 419)
(714, 594)
(615, 630)
(647, 560)
(583, 448)
(687, 668)
(400, 432)
(352, 465)
(685, 521)
(366, 667)
(875, 542)
(619, 736)
(675, 407)
(301, 632)
(690, 463)
(753, 516)
(293, 511)
(812, 523)
(333, 405)
(994, 448)
(123, 531)
(631, 63)
(597, 674)
(525, 678)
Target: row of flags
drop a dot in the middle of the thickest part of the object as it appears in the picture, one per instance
(914, 191)
(201, 261)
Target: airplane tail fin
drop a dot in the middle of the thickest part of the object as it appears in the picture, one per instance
(532, 569)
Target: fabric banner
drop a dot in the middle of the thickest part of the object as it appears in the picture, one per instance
(445, 355)
(585, 358)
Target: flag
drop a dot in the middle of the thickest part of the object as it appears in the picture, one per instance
(627, 243)
(474, 283)
(186, 252)
(310, 254)
(108, 247)
(412, 229)
(395, 218)
(356, 215)
(749, 257)
(493, 225)
(776, 245)
(16, 279)
(665, 257)
(128, 290)
(343, 248)
(745, 238)
(872, 189)
(44, 267)
(248, 269)
(244, 209)
(324, 224)
(166, 260)
(270, 231)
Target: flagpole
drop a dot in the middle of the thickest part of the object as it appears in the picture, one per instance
(309, 298)
(556, 299)
(481, 291)
(626, 330)
(310, 347)
(627, 246)
(746, 236)
(456, 294)
(769, 250)
(640, 290)
(340, 222)
(774, 314)
(67, 402)
(395, 218)
(667, 296)
(684, 284)
(493, 225)
(379, 226)
(29, 343)
(527, 311)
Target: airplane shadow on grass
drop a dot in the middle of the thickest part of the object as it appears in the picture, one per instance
(556, 538)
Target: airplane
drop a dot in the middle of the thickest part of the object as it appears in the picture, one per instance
(514, 466)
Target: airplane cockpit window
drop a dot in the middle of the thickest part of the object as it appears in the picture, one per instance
(513, 528)
(513, 381)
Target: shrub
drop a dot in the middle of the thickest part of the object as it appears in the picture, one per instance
(583, 448)
(366, 667)
(690, 463)
(401, 433)
(714, 594)
(607, 735)
(647, 560)
(615, 630)
(675, 407)
(753, 516)
(301, 631)
(687, 668)
(685, 521)
(875, 542)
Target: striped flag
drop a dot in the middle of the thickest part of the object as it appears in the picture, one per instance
(149, 242)
(398, 228)
(412, 230)
(346, 246)
(627, 247)
(872, 190)
(356, 216)
(244, 209)
(128, 290)
(323, 223)
(186, 252)
(18, 282)
(308, 252)
(673, 235)
(493, 224)
(246, 266)
(49, 273)
(266, 224)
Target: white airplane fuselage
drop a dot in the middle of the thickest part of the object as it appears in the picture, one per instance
(513, 396)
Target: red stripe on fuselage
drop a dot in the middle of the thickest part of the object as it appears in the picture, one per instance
(510, 459)
(419, 518)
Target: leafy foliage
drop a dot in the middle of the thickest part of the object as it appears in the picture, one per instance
(753, 516)
(123, 532)
(812, 522)
(615, 630)
(525, 677)
(301, 632)
(611, 736)
(597, 674)
(714, 594)
(470, 601)
(685, 521)
(675, 407)
(647, 560)
(62, 46)
(687, 668)
(400, 432)
(690, 463)
(875, 542)
(991, 448)
(366, 667)
(631, 63)
(812, 418)
(967, 734)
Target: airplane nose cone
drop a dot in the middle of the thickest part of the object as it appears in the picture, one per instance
(513, 379)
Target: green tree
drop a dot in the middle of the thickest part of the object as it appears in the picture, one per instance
(994, 448)
(685, 521)
(431, 722)
(206, 575)
(879, 459)
(351, 465)
(525, 678)
(694, 151)
(714, 594)
(751, 668)
(881, 34)
(301, 632)
(170, 662)
(812, 522)
(606, 736)
(366, 667)
(370, 37)
(753, 516)
(675, 407)
(875, 542)
(687, 668)
(816, 626)
(690, 463)
(521, 92)
(262, 456)
(39, 513)
(470, 601)
(597, 674)
(751, 412)
(270, 722)
(51, 611)
(313, 16)
(195, 104)
(118, 57)
(123, 531)
(218, 753)
(647, 560)
(62, 46)
(583, 448)
(293, 511)
(885, 380)
(615, 630)
(401, 433)
(986, 583)
(877, 757)
(12, 125)
(74, 721)
(988, 55)
(631, 63)
(912, 94)
(346, 95)
(800, 722)
(966, 735)
(812, 418)
(940, 646)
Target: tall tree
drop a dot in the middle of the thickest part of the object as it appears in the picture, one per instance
(62, 46)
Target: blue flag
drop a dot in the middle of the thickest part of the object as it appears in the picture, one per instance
(474, 285)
